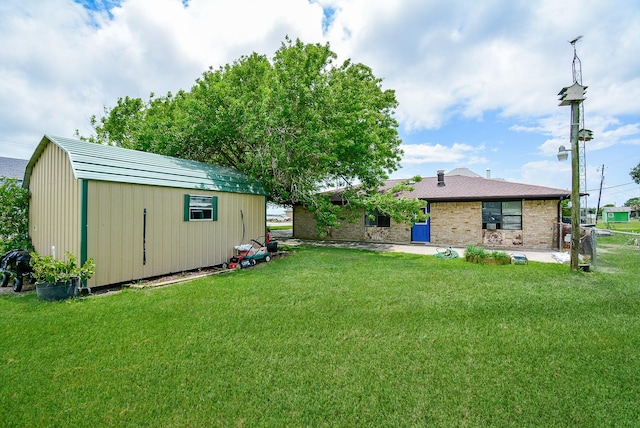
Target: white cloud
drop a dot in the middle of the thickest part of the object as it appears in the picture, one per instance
(437, 153)
(453, 64)
(60, 64)
(448, 58)
(546, 173)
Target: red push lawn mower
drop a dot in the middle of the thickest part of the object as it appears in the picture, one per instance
(249, 255)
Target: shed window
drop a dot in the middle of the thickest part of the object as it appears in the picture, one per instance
(198, 207)
(377, 219)
(502, 215)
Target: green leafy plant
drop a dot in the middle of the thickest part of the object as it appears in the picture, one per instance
(14, 217)
(49, 270)
(475, 254)
(501, 257)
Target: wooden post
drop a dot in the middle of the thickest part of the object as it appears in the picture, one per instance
(575, 184)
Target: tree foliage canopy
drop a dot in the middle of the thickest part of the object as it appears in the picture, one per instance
(633, 203)
(14, 218)
(635, 174)
(297, 123)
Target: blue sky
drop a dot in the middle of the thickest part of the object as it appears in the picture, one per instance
(477, 82)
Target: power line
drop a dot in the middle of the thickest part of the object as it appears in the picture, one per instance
(612, 187)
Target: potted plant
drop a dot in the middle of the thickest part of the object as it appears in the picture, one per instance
(59, 279)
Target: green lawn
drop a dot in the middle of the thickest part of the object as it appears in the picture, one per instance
(632, 227)
(337, 337)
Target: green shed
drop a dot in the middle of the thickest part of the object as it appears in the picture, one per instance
(616, 214)
(137, 214)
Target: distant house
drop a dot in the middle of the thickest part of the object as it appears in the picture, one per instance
(138, 215)
(464, 208)
(13, 168)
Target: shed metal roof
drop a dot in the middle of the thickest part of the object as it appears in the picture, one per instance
(617, 209)
(100, 162)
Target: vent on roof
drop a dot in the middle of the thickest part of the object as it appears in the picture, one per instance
(441, 178)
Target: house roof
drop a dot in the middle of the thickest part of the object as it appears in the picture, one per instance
(463, 171)
(472, 188)
(12, 168)
(109, 163)
(465, 188)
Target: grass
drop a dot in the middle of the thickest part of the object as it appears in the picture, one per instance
(281, 227)
(632, 227)
(337, 337)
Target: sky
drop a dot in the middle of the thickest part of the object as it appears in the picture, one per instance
(477, 81)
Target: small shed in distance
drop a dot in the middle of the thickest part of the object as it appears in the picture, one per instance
(616, 214)
(137, 214)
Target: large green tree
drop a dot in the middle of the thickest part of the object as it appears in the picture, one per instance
(635, 174)
(297, 123)
(634, 203)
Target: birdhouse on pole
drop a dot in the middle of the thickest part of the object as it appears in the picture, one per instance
(585, 135)
(572, 94)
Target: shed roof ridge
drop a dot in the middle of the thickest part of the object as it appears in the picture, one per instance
(110, 150)
(119, 164)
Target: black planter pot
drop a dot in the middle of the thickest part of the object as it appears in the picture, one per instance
(57, 291)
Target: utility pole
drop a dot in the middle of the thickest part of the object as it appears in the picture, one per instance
(600, 193)
(575, 185)
(573, 96)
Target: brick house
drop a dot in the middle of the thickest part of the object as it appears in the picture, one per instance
(464, 208)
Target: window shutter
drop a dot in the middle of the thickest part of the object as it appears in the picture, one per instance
(187, 201)
(214, 206)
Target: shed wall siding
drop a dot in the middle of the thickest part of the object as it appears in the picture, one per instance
(54, 208)
(116, 224)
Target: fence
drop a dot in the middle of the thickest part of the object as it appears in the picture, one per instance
(588, 248)
(633, 241)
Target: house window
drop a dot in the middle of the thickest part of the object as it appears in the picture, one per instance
(377, 219)
(502, 215)
(198, 207)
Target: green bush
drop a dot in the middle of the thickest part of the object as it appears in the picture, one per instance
(501, 257)
(14, 216)
(475, 254)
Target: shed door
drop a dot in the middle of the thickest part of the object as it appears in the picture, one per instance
(421, 232)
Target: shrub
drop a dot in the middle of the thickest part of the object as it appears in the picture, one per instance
(475, 254)
(501, 257)
(14, 216)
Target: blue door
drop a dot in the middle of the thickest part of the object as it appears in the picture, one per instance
(421, 232)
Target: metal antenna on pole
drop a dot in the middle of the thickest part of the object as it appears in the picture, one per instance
(576, 66)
